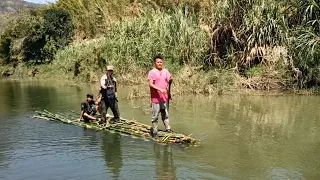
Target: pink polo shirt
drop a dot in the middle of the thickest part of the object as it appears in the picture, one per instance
(161, 80)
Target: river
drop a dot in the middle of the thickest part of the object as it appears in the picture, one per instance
(242, 137)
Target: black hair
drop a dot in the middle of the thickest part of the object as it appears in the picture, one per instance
(90, 95)
(157, 57)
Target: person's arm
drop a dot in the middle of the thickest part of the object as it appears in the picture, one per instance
(78, 120)
(170, 79)
(89, 117)
(83, 106)
(98, 101)
(115, 88)
(151, 79)
(170, 82)
(151, 84)
(103, 82)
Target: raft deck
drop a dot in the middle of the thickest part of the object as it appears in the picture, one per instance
(123, 127)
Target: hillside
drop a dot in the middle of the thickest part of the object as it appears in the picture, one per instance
(11, 6)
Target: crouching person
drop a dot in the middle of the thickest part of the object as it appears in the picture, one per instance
(88, 110)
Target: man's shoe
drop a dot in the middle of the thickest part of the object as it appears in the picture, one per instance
(101, 122)
(156, 136)
(116, 120)
(169, 131)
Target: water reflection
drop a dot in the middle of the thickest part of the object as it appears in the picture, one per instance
(111, 148)
(165, 168)
(243, 137)
(281, 173)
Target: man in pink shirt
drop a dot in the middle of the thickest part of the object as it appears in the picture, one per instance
(159, 82)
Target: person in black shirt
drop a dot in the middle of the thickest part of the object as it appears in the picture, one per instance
(88, 109)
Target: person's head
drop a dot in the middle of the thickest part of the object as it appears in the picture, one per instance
(110, 70)
(89, 97)
(158, 61)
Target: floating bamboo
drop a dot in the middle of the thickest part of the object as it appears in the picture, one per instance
(123, 127)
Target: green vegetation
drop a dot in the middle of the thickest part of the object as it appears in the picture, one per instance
(209, 45)
(131, 44)
(12, 6)
(9, 7)
(36, 36)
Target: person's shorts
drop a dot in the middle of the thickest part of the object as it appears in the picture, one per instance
(86, 120)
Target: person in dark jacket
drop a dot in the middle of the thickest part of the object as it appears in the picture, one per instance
(108, 90)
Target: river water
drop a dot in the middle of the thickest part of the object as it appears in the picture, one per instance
(243, 137)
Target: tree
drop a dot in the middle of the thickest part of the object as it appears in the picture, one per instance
(56, 32)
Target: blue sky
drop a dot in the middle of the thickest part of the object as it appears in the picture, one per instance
(42, 1)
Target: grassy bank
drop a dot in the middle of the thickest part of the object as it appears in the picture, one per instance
(209, 46)
(130, 46)
(187, 81)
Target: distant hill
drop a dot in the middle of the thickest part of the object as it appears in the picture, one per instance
(12, 6)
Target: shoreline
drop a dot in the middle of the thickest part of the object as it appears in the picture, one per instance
(141, 90)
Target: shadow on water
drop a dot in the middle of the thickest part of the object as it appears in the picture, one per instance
(164, 163)
(111, 147)
(38, 95)
(25, 96)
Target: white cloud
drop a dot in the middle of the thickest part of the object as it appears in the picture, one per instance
(42, 1)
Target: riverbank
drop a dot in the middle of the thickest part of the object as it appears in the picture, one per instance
(189, 80)
(204, 57)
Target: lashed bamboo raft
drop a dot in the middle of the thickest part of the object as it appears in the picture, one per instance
(123, 127)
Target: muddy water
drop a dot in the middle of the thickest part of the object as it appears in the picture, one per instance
(243, 137)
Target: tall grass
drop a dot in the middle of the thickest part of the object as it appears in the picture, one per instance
(178, 37)
(241, 27)
(306, 43)
(131, 44)
(236, 34)
(94, 17)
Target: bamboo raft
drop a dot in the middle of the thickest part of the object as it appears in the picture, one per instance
(123, 127)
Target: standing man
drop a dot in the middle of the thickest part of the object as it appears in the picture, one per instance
(159, 82)
(108, 92)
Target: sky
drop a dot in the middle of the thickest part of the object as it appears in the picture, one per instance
(42, 1)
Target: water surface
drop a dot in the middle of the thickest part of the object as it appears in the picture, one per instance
(243, 137)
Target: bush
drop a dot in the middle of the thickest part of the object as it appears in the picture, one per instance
(5, 44)
(36, 35)
(305, 43)
(11, 40)
(130, 46)
(55, 32)
(254, 72)
(57, 29)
